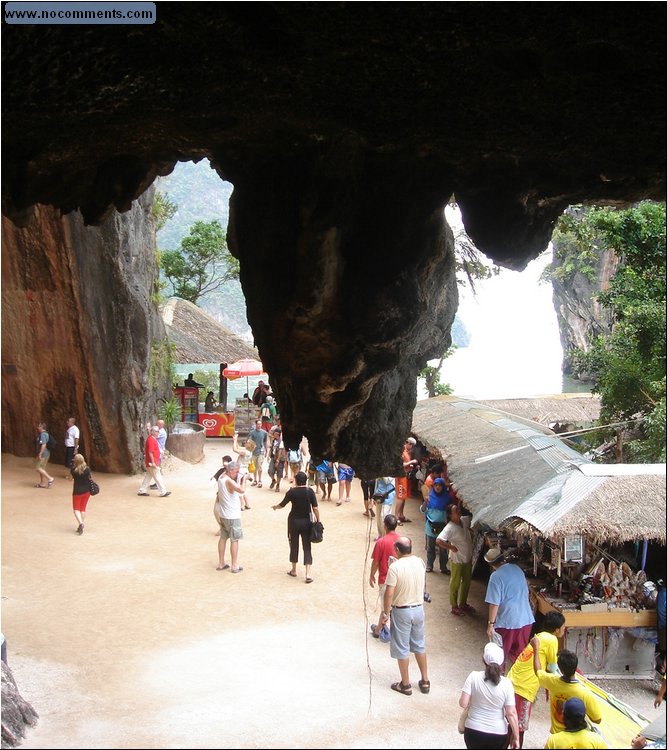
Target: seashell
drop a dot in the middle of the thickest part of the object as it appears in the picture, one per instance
(605, 580)
(626, 570)
(612, 568)
(640, 578)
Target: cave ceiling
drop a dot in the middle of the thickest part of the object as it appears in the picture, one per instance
(345, 128)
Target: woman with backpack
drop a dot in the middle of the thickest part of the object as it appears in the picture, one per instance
(435, 512)
(44, 440)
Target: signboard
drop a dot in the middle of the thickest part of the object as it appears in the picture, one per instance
(218, 424)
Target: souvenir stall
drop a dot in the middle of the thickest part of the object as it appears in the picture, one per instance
(594, 564)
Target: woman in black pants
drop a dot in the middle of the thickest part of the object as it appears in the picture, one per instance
(298, 522)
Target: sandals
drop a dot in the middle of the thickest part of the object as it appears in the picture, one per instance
(467, 608)
(291, 573)
(41, 486)
(399, 687)
(259, 484)
(309, 580)
(425, 686)
(223, 567)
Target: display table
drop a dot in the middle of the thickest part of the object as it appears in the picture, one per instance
(612, 618)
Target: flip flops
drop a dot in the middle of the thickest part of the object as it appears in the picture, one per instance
(223, 567)
(399, 687)
(309, 580)
(291, 573)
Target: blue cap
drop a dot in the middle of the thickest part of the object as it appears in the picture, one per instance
(439, 480)
(574, 709)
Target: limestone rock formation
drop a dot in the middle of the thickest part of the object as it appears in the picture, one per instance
(17, 713)
(580, 317)
(345, 128)
(79, 332)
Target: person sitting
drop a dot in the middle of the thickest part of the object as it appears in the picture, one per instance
(190, 382)
(209, 403)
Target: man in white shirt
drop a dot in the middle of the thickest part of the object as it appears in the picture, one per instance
(457, 539)
(71, 444)
(230, 489)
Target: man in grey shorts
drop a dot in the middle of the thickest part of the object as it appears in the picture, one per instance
(230, 490)
(404, 598)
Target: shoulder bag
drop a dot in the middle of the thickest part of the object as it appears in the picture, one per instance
(316, 530)
(93, 486)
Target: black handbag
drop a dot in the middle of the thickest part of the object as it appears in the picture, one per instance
(94, 487)
(316, 530)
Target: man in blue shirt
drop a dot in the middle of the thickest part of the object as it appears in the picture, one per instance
(261, 439)
(510, 615)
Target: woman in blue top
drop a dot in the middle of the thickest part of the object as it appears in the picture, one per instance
(434, 509)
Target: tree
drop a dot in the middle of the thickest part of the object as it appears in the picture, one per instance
(628, 364)
(202, 264)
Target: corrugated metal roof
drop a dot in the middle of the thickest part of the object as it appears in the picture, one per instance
(549, 503)
(507, 470)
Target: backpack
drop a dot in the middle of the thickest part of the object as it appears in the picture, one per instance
(294, 457)
(51, 442)
(266, 412)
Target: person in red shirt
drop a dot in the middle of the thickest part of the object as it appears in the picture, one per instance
(383, 550)
(152, 461)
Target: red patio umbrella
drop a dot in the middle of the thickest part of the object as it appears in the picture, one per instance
(244, 368)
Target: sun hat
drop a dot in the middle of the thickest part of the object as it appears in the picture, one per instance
(411, 440)
(493, 654)
(494, 555)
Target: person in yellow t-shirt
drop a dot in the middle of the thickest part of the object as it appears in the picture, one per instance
(522, 674)
(562, 688)
(576, 733)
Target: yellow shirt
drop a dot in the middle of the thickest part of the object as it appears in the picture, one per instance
(560, 691)
(523, 674)
(584, 738)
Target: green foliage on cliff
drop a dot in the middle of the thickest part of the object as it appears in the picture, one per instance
(201, 195)
(163, 209)
(628, 365)
(577, 244)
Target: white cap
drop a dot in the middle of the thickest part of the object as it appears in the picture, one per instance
(493, 654)
(411, 440)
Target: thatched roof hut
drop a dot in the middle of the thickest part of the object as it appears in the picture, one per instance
(564, 408)
(199, 339)
(511, 472)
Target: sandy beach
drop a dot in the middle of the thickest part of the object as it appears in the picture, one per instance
(128, 637)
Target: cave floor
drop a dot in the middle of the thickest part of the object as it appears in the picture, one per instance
(128, 637)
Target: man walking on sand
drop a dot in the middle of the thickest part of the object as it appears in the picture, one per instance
(404, 598)
(230, 490)
(71, 444)
(152, 462)
(383, 550)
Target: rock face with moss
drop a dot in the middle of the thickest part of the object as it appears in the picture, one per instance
(580, 316)
(80, 333)
(345, 128)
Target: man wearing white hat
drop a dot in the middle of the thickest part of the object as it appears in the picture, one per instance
(510, 614)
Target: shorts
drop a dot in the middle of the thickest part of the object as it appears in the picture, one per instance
(345, 475)
(323, 477)
(42, 462)
(230, 528)
(407, 632)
